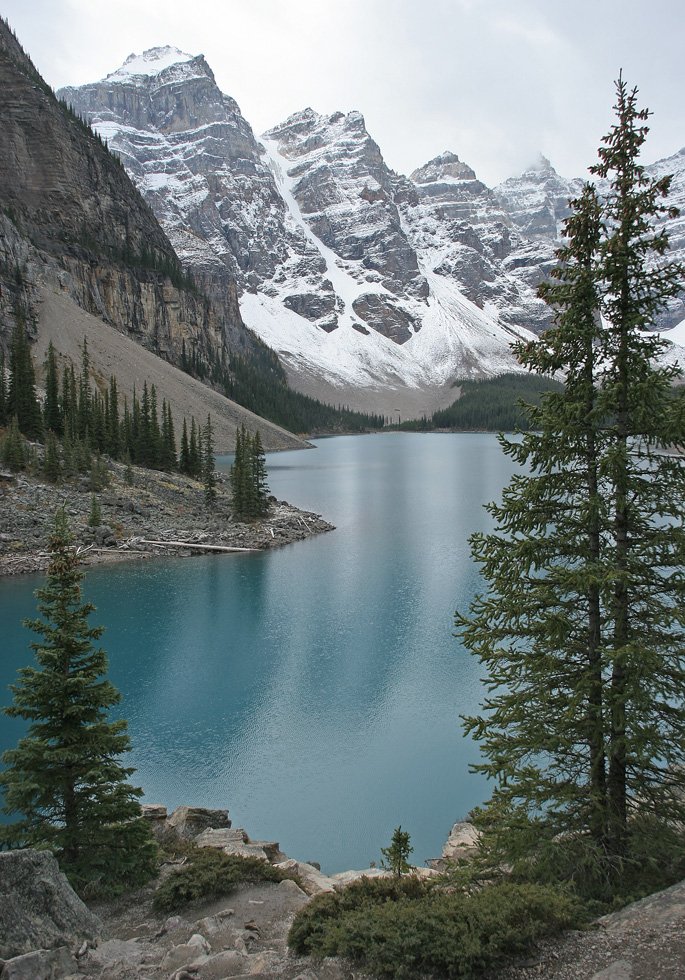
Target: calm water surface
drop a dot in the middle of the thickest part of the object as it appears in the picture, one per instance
(315, 690)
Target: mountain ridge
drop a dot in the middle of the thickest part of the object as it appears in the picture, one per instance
(375, 289)
(318, 231)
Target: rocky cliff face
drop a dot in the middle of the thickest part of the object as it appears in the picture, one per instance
(537, 204)
(675, 165)
(72, 218)
(537, 200)
(196, 161)
(463, 233)
(345, 192)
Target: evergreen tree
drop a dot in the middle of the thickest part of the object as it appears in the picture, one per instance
(396, 857)
(137, 437)
(51, 467)
(238, 473)
(13, 452)
(127, 439)
(168, 461)
(21, 399)
(128, 472)
(155, 435)
(247, 476)
(261, 488)
(98, 422)
(195, 464)
(68, 458)
(184, 461)
(145, 447)
(113, 427)
(52, 416)
(84, 396)
(583, 623)
(208, 464)
(65, 777)
(94, 517)
(68, 403)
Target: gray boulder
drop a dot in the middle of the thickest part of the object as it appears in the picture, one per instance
(38, 907)
(41, 964)
(188, 822)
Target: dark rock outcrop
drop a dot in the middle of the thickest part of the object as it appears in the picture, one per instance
(386, 317)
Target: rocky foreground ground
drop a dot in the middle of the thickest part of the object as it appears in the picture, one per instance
(46, 933)
(160, 514)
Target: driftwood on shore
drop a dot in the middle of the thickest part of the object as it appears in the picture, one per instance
(159, 516)
(193, 545)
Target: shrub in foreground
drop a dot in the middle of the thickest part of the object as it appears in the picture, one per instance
(654, 859)
(210, 874)
(406, 928)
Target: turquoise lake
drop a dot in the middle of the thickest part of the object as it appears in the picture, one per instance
(315, 690)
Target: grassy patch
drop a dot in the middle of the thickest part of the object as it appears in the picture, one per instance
(210, 874)
(405, 928)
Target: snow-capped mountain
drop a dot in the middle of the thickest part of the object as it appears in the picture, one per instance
(537, 204)
(367, 283)
(675, 166)
(537, 200)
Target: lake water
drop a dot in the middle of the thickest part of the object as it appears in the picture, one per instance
(314, 690)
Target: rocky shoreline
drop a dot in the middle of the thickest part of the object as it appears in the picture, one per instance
(159, 515)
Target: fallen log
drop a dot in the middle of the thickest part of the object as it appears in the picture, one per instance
(192, 545)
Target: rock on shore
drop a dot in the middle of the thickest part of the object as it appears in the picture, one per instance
(141, 520)
(244, 933)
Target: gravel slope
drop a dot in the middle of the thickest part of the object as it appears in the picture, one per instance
(65, 324)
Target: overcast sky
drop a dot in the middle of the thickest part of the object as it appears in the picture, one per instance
(495, 81)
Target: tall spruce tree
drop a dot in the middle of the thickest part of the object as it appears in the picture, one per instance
(261, 488)
(194, 451)
(84, 396)
(247, 476)
(208, 463)
(65, 777)
(21, 397)
(52, 416)
(583, 623)
(113, 445)
(13, 450)
(184, 460)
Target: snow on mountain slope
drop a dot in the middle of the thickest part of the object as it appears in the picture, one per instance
(345, 287)
(675, 166)
(451, 337)
(462, 233)
(148, 64)
(537, 200)
(310, 224)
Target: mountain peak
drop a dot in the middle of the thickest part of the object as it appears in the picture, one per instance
(151, 62)
(540, 164)
(447, 166)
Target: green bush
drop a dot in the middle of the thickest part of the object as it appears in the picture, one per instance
(654, 860)
(210, 874)
(407, 928)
